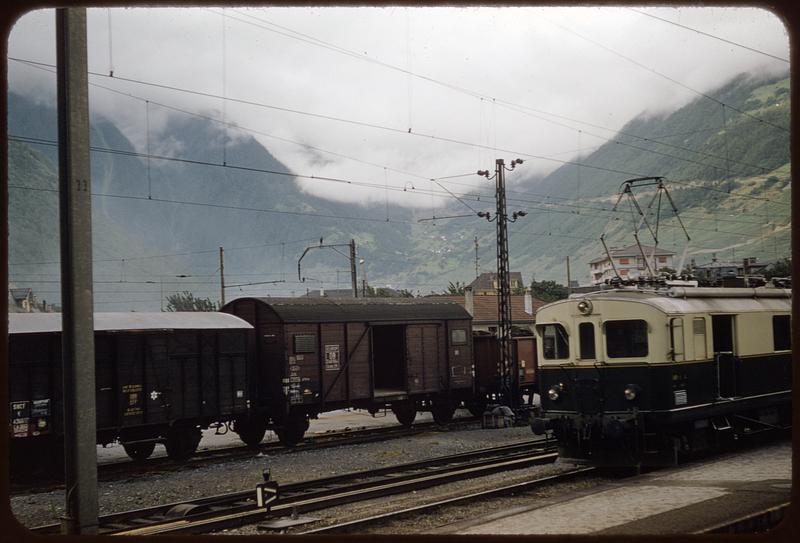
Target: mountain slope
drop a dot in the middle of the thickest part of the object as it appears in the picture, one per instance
(729, 177)
(730, 181)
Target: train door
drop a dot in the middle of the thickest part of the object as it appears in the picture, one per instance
(722, 332)
(389, 359)
(676, 340)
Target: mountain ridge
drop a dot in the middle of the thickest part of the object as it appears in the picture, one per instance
(721, 172)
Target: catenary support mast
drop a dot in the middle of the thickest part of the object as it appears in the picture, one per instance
(77, 318)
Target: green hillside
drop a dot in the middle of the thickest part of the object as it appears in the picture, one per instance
(729, 178)
(727, 168)
(33, 252)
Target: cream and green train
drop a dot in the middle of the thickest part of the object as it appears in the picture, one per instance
(633, 377)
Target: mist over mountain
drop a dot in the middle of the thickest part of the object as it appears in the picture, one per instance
(165, 213)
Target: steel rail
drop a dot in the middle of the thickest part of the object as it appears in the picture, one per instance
(309, 492)
(250, 514)
(525, 486)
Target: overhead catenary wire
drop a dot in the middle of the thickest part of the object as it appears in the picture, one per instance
(225, 161)
(462, 198)
(260, 210)
(729, 42)
(475, 94)
(326, 178)
(664, 76)
(439, 138)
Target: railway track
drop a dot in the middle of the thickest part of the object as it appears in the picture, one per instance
(120, 469)
(526, 486)
(239, 508)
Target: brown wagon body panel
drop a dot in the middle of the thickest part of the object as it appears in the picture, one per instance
(356, 353)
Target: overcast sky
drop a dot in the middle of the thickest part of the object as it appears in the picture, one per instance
(417, 75)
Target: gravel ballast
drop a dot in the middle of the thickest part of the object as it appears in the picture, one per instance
(143, 490)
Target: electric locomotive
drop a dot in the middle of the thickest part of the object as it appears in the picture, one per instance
(633, 377)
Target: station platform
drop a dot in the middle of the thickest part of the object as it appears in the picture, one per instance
(680, 500)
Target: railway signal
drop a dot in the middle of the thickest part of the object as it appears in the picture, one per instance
(266, 492)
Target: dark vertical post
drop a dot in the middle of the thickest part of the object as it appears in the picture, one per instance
(353, 276)
(75, 208)
(476, 257)
(221, 277)
(504, 288)
(569, 279)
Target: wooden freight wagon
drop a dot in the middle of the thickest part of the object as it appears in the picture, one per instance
(160, 377)
(488, 388)
(317, 355)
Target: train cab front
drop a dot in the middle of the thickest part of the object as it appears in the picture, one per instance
(586, 434)
(589, 406)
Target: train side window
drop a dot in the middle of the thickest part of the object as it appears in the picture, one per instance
(555, 345)
(305, 343)
(626, 339)
(782, 332)
(586, 338)
(699, 336)
(458, 336)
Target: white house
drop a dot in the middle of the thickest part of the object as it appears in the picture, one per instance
(629, 263)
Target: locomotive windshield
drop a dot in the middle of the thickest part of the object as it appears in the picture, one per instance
(586, 340)
(626, 339)
(555, 345)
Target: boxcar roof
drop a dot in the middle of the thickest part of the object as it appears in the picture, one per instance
(698, 300)
(32, 323)
(307, 310)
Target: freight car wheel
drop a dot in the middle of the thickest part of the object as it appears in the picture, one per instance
(476, 408)
(290, 433)
(250, 431)
(443, 413)
(182, 442)
(405, 413)
(139, 451)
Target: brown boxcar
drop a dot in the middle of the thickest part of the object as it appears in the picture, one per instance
(160, 377)
(317, 355)
(488, 388)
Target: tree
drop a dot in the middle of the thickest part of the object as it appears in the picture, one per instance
(779, 268)
(548, 291)
(185, 301)
(455, 289)
(382, 292)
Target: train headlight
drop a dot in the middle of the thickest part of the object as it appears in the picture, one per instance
(631, 392)
(585, 307)
(554, 393)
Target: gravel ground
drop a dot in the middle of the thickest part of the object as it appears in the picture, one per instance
(243, 474)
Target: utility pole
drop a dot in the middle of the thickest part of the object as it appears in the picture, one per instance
(353, 278)
(77, 317)
(221, 276)
(476, 258)
(569, 282)
(364, 278)
(351, 257)
(504, 287)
